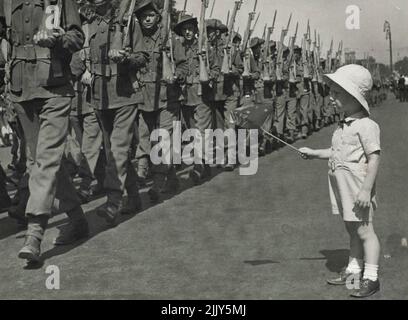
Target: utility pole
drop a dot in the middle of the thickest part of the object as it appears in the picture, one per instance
(387, 30)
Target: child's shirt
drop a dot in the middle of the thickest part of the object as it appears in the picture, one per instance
(352, 143)
(354, 139)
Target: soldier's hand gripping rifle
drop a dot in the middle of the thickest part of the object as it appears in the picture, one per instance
(267, 61)
(279, 57)
(50, 28)
(227, 60)
(121, 46)
(245, 47)
(168, 65)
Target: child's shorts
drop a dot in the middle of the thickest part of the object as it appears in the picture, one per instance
(345, 186)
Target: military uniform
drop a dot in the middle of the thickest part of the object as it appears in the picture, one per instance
(259, 92)
(115, 101)
(161, 101)
(41, 91)
(282, 121)
(303, 89)
(197, 108)
(86, 134)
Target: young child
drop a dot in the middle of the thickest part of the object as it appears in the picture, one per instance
(353, 165)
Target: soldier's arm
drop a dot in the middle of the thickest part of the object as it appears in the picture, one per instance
(180, 60)
(256, 72)
(215, 64)
(237, 65)
(73, 39)
(137, 58)
(78, 66)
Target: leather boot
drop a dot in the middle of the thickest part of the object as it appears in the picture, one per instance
(76, 230)
(159, 180)
(31, 250)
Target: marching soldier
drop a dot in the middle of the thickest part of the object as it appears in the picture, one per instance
(115, 101)
(215, 30)
(161, 100)
(44, 34)
(302, 94)
(283, 120)
(227, 87)
(84, 123)
(316, 98)
(261, 91)
(197, 107)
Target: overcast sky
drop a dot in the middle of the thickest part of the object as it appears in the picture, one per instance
(328, 17)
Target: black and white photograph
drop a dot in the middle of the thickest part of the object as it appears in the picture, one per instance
(204, 150)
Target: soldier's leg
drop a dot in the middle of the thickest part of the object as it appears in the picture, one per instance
(45, 124)
(146, 122)
(218, 115)
(91, 144)
(231, 104)
(5, 201)
(203, 120)
(280, 114)
(73, 156)
(318, 111)
(164, 175)
(117, 126)
(304, 103)
(291, 105)
(187, 113)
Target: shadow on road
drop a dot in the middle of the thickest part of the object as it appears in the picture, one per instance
(336, 259)
(255, 263)
(97, 224)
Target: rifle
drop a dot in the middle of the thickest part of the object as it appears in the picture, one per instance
(184, 11)
(291, 62)
(267, 61)
(264, 32)
(245, 49)
(329, 58)
(227, 60)
(169, 71)
(305, 52)
(339, 54)
(228, 17)
(203, 45)
(212, 9)
(126, 32)
(279, 57)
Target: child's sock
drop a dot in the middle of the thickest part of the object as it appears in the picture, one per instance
(355, 265)
(370, 272)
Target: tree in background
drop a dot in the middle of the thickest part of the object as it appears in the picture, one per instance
(402, 66)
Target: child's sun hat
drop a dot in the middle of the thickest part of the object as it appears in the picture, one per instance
(356, 80)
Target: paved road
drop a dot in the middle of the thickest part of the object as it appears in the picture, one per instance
(268, 236)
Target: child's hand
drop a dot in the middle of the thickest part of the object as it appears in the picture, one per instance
(307, 153)
(364, 199)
